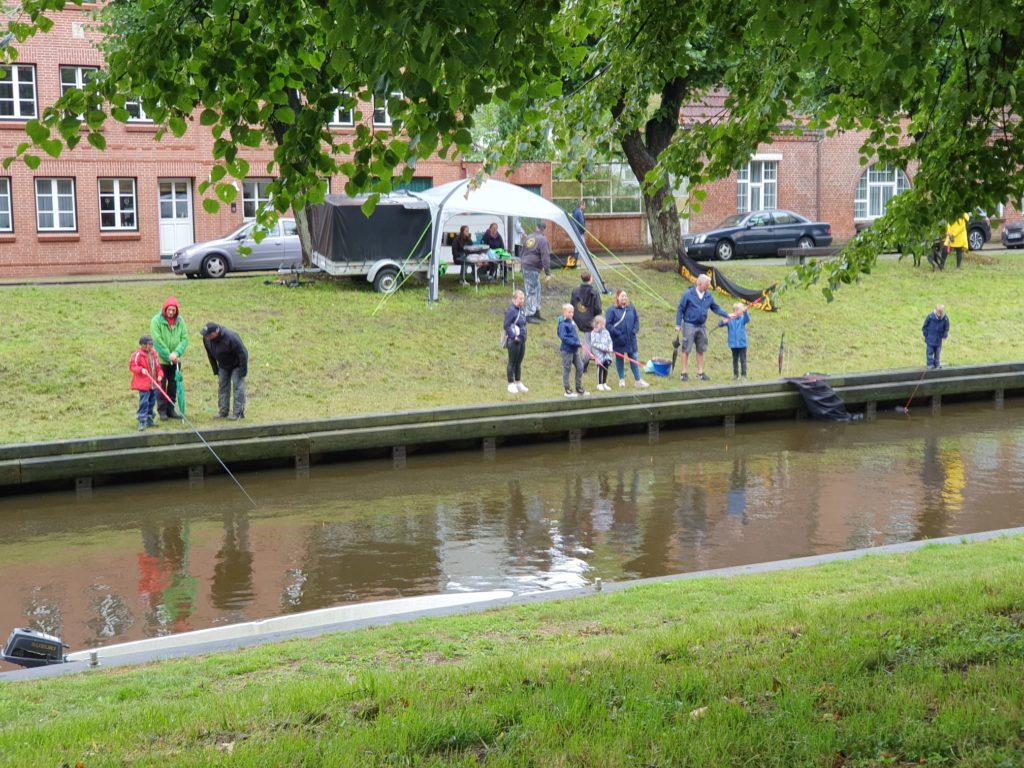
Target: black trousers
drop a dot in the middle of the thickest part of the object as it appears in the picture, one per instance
(516, 353)
(739, 361)
(170, 385)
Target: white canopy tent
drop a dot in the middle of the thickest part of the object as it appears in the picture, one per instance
(501, 199)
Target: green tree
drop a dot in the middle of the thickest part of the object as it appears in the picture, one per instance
(272, 73)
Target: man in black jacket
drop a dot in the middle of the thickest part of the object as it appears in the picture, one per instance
(230, 362)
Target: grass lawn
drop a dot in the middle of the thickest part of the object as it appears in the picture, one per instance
(319, 350)
(910, 660)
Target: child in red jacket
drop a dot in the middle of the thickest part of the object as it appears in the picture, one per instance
(146, 373)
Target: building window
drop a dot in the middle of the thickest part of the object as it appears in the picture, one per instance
(55, 205)
(117, 204)
(416, 184)
(255, 197)
(606, 188)
(343, 116)
(75, 77)
(381, 114)
(136, 114)
(17, 92)
(757, 186)
(877, 186)
(6, 220)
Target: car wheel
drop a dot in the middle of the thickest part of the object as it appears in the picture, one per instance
(723, 251)
(386, 280)
(806, 242)
(975, 239)
(215, 265)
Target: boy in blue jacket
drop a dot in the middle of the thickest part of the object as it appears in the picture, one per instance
(935, 329)
(737, 329)
(570, 349)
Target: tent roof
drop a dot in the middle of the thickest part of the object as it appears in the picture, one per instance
(491, 196)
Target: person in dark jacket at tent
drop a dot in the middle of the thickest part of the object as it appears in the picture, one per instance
(935, 330)
(459, 251)
(230, 362)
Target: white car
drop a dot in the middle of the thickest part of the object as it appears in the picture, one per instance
(280, 249)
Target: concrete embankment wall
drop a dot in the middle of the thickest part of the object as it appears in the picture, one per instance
(137, 457)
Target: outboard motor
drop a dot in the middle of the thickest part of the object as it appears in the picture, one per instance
(28, 648)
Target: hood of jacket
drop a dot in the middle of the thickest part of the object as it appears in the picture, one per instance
(171, 302)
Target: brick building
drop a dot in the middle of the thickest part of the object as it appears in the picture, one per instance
(128, 208)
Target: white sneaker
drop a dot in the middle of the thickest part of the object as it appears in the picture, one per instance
(521, 387)
(512, 389)
(570, 393)
(622, 382)
(642, 384)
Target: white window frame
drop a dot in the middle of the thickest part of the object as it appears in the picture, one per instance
(252, 199)
(136, 114)
(121, 188)
(385, 120)
(20, 75)
(80, 74)
(47, 189)
(757, 180)
(6, 213)
(336, 119)
(879, 184)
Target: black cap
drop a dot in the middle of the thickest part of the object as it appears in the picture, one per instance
(541, 225)
(209, 329)
(143, 340)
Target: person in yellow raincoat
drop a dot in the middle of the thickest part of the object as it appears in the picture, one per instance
(956, 237)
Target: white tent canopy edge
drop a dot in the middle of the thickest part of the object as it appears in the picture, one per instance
(501, 199)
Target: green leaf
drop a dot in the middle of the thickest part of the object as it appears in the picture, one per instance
(52, 147)
(37, 131)
(32, 161)
(210, 205)
(97, 140)
(285, 115)
(177, 125)
(208, 117)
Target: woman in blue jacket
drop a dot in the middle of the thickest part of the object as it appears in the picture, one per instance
(623, 323)
(513, 339)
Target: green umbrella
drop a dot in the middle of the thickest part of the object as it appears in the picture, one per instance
(180, 386)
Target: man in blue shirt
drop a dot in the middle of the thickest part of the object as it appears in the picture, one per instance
(691, 317)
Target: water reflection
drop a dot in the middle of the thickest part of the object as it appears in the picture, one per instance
(96, 570)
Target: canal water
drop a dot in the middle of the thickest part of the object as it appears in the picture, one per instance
(137, 561)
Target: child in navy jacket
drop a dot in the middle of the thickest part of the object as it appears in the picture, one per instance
(935, 329)
(570, 349)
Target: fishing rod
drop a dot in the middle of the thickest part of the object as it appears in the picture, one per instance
(906, 408)
(203, 439)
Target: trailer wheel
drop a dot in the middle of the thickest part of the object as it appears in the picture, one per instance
(386, 280)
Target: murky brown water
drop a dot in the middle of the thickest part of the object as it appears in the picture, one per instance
(138, 561)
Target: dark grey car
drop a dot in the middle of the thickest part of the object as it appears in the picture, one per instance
(215, 258)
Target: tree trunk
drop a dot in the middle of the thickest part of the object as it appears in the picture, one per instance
(305, 236)
(662, 220)
(642, 151)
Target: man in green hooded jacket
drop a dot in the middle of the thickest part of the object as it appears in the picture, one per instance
(170, 340)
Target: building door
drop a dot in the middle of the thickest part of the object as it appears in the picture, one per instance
(176, 230)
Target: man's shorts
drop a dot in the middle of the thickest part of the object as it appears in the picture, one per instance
(695, 334)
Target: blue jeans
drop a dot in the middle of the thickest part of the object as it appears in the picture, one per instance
(932, 355)
(531, 284)
(621, 368)
(147, 403)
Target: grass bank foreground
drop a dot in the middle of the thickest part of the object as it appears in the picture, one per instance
(319, 351)
(905, 660)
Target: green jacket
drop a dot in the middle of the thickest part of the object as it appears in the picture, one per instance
(165, 338)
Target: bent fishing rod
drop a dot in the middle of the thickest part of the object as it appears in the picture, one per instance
(203, 439)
